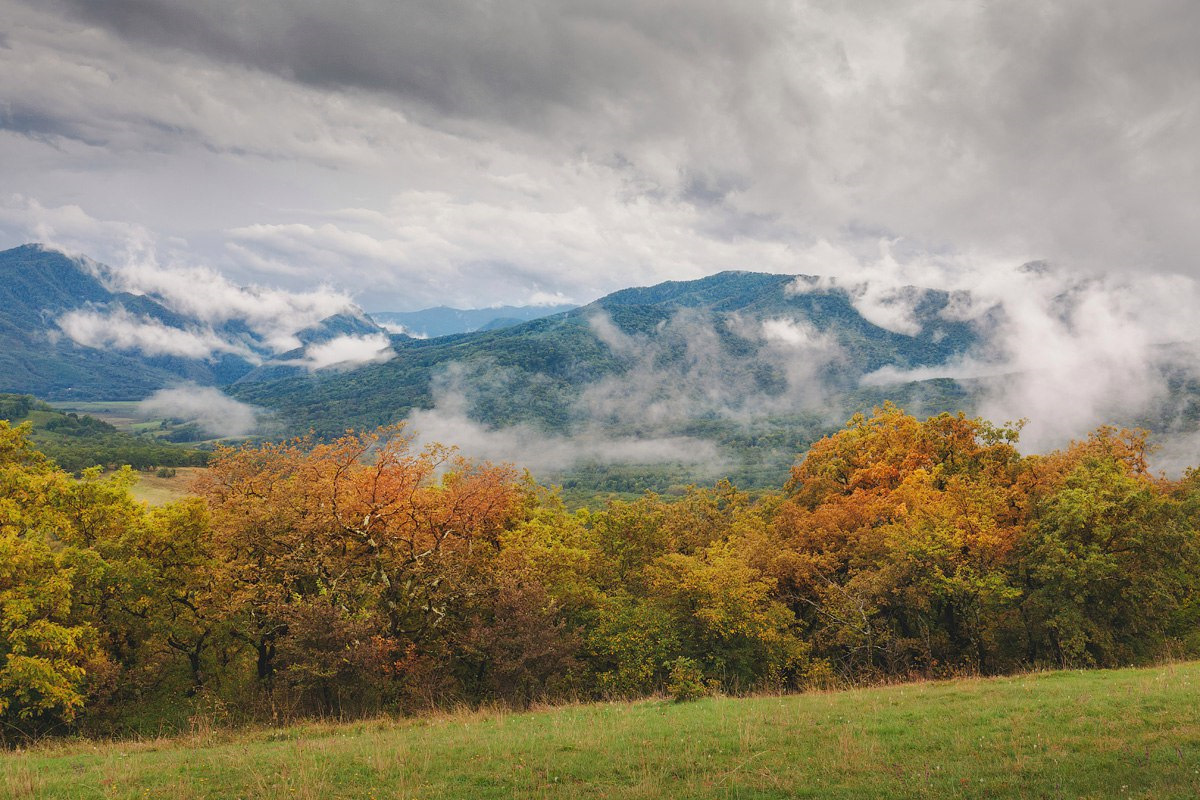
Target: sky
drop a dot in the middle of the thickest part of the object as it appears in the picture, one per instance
(473, 153)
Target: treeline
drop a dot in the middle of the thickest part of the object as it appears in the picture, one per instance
(110, 451)
(361, 575)
(77, 442)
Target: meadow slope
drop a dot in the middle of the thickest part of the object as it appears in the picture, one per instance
(1119, 733)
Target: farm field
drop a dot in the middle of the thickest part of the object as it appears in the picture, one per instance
(1118, 733)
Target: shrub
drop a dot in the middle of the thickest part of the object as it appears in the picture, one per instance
(686, 680)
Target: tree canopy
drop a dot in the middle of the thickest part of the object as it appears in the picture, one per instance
(361, 573)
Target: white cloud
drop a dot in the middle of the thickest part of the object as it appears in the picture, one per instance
(276, 315)
(1069, 352)
(117, 329)
(213, 411)
(397, 328)
(348, 351)
(132, 264)
(881, 302)
(541, 298)
(684, 371)
(789, 332)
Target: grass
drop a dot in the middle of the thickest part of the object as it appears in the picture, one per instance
(159, 491)
(1121, 733)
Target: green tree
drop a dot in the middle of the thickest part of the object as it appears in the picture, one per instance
(1110, 558)
(50, 664)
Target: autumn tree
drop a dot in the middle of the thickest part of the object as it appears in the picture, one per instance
(50, 663)
(357, 544)
(897, 533)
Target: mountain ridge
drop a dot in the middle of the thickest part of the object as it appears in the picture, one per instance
(559, 353)
(752, 364)
(430, 323)
(42, 288)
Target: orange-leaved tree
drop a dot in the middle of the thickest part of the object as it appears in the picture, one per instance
(896, 536)
(344, 556)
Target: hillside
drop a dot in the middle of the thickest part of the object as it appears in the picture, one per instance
(533, 371)
(118, 345)
(1125, 733)
(35, 286)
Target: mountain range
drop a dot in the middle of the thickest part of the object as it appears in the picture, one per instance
(753, 362)
(535, 372)
(732, 374)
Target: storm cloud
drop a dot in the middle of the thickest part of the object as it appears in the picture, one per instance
(469, 153)
(401, 155)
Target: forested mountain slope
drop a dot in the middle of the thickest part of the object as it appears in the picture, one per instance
(67, 333)
(536, 372)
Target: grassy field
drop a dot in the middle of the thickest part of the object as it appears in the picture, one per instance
(157, 491)
(1125, 733)
(121, 413)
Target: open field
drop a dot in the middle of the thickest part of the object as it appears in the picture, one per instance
(1121, 733)
(157, 491)
(126, 416)
(122, 414)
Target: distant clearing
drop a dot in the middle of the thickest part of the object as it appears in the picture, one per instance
(122, 414)
(157, 491)
(1120, 733)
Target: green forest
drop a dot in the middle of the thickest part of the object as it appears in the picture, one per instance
(360, 575)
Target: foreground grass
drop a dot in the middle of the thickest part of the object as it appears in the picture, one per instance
(1122, 733)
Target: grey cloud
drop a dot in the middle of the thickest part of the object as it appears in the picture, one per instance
(510, 61)
(476, 153)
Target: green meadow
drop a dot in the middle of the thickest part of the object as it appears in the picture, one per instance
(1114, 733)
